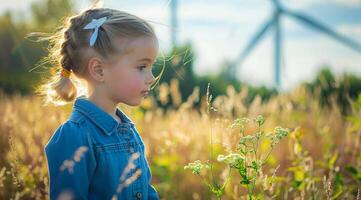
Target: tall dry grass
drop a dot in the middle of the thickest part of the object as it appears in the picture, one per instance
(320, 159)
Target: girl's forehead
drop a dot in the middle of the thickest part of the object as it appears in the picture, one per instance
(139, 48)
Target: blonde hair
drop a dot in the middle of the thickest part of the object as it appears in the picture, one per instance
(69, 44)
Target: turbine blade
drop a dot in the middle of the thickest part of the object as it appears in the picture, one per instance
(253, 42)
(324, 29)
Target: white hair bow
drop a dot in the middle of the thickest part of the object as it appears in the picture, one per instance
(95, 24)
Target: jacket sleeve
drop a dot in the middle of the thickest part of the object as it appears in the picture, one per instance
(71, 162)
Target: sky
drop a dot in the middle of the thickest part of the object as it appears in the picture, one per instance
(219, 30)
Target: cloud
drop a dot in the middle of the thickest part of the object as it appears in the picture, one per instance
(307, 3)
(221, 12)
(351, 30)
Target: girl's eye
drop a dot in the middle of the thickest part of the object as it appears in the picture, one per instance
(141, 67)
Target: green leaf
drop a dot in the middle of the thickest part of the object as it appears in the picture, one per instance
(351, 169)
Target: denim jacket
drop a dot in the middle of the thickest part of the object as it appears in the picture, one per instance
(88, 154)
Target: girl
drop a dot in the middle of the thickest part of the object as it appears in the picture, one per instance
(97, 152)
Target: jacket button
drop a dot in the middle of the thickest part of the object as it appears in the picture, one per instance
(139, 195)
(131, 150)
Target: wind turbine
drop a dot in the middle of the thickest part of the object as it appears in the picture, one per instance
(274, 22)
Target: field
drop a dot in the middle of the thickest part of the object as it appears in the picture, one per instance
(317, 156)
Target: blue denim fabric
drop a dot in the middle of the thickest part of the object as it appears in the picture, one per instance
(88, 153)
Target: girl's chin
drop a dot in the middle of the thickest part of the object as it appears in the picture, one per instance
(134, 102)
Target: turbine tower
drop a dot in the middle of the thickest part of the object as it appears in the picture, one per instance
(274, 22)
(173, 21)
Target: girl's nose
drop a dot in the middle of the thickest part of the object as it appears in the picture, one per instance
(151, 79)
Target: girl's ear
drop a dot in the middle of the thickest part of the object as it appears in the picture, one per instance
(96, 69)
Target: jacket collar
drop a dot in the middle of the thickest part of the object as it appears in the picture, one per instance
(98, 116)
